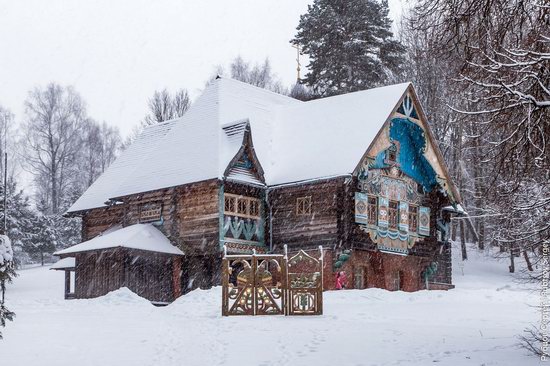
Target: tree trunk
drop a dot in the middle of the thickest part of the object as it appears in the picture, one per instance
(528, 261)
(463, 241)
(512, 266)
(42, 258)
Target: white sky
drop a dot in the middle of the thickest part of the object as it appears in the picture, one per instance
(116, 53)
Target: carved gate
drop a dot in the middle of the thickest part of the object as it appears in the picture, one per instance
(272, 284)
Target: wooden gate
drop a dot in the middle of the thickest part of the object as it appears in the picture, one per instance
(261, 284)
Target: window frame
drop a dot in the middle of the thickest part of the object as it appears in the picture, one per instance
(393, 219)
(237, 201)
(374, 207)
(150, 217)
(304, 206)
(413, 228)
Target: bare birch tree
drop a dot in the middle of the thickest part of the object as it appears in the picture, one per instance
(54, 121)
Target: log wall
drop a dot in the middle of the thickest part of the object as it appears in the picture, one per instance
(145, 273)
(321, 227)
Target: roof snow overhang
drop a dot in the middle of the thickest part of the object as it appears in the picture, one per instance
(139, 236)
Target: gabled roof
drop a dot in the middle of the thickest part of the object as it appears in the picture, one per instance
(138, 236)
(293, 140)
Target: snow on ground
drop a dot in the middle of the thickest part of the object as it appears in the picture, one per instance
(475, 324)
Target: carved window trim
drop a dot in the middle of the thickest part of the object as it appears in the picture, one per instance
(242, 206)
(393, 214)
(303, 206)
(150, 211)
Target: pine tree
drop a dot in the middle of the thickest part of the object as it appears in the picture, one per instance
(350, 45)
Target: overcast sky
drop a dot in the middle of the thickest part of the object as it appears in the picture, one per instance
(116, 53)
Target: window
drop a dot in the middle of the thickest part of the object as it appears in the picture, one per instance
(303, 205)
(372, 208)
(398, 280)
(150, 211)
(413, 218)
(230, 204)
(254, 209)
(393, 216)
(358, 278)
(242, 206)
(391, 153)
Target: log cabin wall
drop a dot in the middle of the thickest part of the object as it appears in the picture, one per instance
(98, 272)
(102, 271)
(197, 218)
(189, 218)
(300, 227)
(97, 220)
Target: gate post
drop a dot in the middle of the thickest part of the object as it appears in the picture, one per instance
(225, 283)
(254, 282)
(320, 297)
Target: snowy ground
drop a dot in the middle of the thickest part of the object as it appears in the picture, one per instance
(474, 324)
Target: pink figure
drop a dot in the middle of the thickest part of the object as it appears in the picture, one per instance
(343, 280)
(340, 280)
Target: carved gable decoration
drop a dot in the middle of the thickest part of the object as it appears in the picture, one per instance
(424, 221)
(383, 212)
(245, 166)
(243, 170)
(361, 208)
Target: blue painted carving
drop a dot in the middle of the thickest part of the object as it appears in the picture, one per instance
(379, 161)
(412, 142)
(244, 162)
(407, 108)
(243, 229)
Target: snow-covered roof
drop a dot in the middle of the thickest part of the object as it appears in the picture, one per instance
(458, 210)
(138, 236)
(293, 140)
(64, 263)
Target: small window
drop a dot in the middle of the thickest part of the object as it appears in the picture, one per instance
(303, 205)
(230, 204)
(393, 214)
(358, 278)
(413, 218)
(254, 209)
(372, 210)
(391, 155)
(398, 280)
(242, 204)
(150, 211)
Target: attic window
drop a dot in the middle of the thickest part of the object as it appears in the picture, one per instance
(303, 205)
(150, 211)
(392, 153)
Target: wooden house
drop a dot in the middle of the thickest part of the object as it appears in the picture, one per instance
(359, 174)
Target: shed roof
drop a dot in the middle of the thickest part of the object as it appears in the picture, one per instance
(64, 263)
(138, 236)
(293, 140)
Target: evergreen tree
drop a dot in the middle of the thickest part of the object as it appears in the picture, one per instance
(350, 45)
(20, 219)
